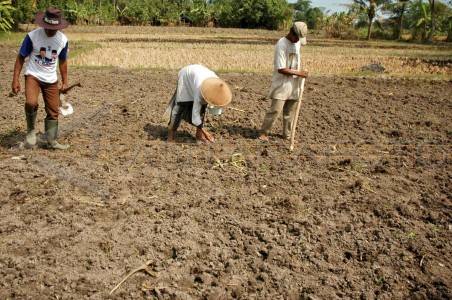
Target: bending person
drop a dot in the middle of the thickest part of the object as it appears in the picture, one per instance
(197, 88)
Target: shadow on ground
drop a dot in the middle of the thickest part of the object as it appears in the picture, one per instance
(11, 138)
(159, 132)
(246, 132)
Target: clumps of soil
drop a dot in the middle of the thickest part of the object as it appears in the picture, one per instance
(359, 210)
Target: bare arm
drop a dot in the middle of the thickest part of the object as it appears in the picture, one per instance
(287, 71)
(15, 86)
(63, 72)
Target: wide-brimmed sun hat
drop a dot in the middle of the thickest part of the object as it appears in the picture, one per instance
(216, 92)
(301, 30)
(51, 19)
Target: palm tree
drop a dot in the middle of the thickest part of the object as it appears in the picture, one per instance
(397, 10)
(6, 18)
(419, 17)
(370, 7)
(401, 8)
(432, 20)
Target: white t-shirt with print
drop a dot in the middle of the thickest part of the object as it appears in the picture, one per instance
(44, 53)
(287, 55)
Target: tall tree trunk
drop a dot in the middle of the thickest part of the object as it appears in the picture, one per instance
(369, 29)
(449, 31)
(399, 33)
(371, 14)
(432, 20)
(424, 33)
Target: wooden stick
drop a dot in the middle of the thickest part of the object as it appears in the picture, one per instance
(70, 88)
(140, 268)
(294, 125)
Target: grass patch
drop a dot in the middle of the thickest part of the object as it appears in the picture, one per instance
(80, 47)
(12, 38)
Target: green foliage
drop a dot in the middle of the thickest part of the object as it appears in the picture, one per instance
(313, 16)
(224, 13)
(443, 19)
(198, 14)
(24, 11)
(418, 18)
(414, 15)
(135, 13)
(270, 14)
(340, 25)
(6, 15)
(396, 10)
(43, 4)
(370, 8)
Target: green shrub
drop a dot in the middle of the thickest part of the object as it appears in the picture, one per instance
(6, 15)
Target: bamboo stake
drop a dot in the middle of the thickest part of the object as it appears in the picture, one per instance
(294, 125)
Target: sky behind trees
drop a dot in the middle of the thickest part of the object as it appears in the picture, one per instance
(332, 5)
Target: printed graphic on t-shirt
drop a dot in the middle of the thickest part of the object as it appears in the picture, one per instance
(42, 60)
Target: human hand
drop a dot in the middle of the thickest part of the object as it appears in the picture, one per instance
(203, 136)
(64, 87)
(208, 136)
(15, 86)
(303, 74)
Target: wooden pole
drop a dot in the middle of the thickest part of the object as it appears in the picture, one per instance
(294, 125)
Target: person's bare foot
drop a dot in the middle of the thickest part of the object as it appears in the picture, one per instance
(171, 136)
(286, 137)
(263, 137)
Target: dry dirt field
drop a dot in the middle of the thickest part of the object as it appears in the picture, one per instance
(360, 210)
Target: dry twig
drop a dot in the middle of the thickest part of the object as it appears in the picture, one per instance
(143, 267)
(422, 261)
(236, 109)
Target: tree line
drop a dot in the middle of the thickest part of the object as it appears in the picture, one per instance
(419, 19)
(387, 19)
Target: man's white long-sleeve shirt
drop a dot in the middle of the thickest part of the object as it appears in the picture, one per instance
(189, 84)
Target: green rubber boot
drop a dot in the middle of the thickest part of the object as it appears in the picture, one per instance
(30, 138)
(51, 127)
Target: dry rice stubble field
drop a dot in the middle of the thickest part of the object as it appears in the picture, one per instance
(361, 209)
(252, 51)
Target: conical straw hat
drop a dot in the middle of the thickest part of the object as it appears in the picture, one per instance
(216, 92)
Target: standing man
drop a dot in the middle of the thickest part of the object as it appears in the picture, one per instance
(197, 87)
(42, 46)
(285, 89)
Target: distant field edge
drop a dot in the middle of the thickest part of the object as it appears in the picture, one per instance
(246, 72)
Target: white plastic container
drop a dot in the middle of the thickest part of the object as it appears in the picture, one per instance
(215, 111)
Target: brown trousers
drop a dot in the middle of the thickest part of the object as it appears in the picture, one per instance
(50, 93)
(288, 108)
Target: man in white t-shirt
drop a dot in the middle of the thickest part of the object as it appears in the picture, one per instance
(46, 47)
(285, 89)
(197, 87)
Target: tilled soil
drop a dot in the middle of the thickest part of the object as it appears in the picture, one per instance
(361, 209)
